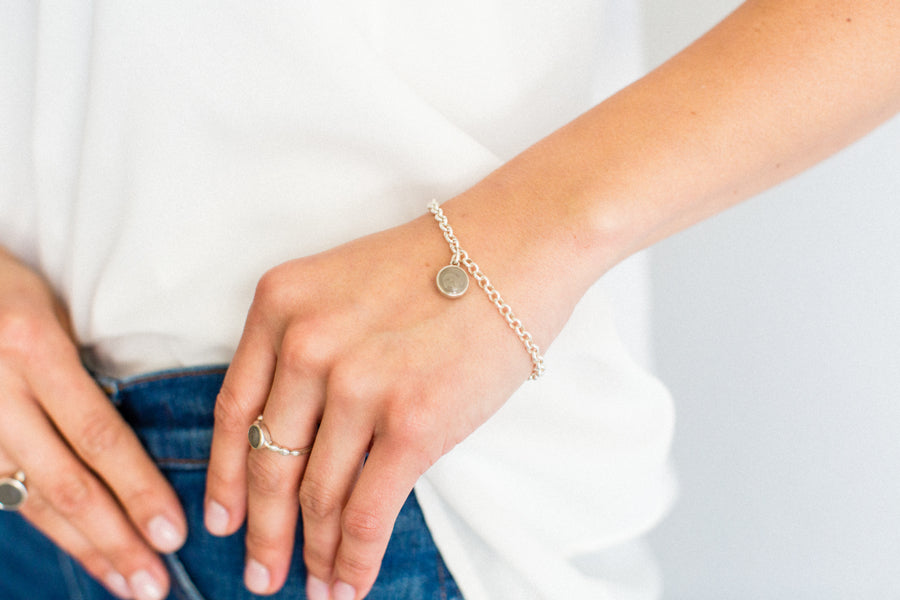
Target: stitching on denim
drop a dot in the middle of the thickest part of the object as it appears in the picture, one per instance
(147, 378)
(182, 468)
(447, 582)
(442, 580)
(182, 585)
(67, 567)
(173, 462)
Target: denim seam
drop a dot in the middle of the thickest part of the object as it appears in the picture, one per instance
(442, 580)
(182, 585)
(183, 463)
(137, 381)
(67, 567)
(442, 585)
(113, 387)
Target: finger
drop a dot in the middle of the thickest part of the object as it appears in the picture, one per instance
(71, 490)
(341, 443)
(69, 539)
(291, 416)
(106, 443)
(62, 533)
(368, 518)
(240, 401)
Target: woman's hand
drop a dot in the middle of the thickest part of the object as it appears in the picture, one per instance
(355, 352)
(91, 487)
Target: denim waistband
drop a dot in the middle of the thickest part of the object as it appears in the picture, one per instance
(171, 411)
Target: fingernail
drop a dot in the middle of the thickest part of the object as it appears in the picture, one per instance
(256, 577)
(216, 518)
(145, 587)
(316, 589)
(344, 591)
(117, 585)
(164, 535)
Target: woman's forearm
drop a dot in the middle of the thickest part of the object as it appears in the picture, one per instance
(773, 89)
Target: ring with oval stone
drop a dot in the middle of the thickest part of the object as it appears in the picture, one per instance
(259, 437)
(13, 491)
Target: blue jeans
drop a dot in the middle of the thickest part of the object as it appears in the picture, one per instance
(172, 413)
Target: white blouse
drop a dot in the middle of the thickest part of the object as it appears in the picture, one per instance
(157, 157)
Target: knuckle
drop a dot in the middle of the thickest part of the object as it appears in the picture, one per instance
(317, 501)
(351, 386)
(408, 425)
(100, 433)
(228, 413)
(318, 559)
(422, 444)
(412, 423)
(342, 383)
(356, 567)
(141, 499)
(363, 526)
(128, 557)
(266, 287)
(304, 351)
(92, 560)
(70, 494)
(19, 332)
(264, 478)
(224, 479)
(263, 540)
(318, 562)
(272, 291)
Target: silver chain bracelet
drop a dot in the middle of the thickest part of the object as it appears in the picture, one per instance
(453, 282)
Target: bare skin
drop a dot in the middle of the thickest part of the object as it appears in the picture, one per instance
(92, 488)
(398, 371)
(771, 90)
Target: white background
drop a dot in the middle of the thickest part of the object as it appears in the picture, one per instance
(777, 327)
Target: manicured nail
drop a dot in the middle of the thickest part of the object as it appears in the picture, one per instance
(344, 591)
(256, 577)
(145, 587)
(316, 589)
(216, 518)
(164, 535)
(117, 585)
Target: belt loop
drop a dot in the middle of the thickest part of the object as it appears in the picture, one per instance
(110, 387)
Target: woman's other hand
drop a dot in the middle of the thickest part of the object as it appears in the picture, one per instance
(355, 353)
(92, 489)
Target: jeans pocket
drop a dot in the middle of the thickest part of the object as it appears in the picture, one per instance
(183, 587)
(172, 415)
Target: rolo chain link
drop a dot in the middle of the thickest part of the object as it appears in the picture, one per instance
(461, 257)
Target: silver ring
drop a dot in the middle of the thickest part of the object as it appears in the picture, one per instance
(259, 437)
(13, 491)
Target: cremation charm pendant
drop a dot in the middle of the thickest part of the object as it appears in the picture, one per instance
(452, 281)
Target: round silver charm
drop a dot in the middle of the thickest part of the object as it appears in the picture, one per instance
(12, 492)
(452, 281)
